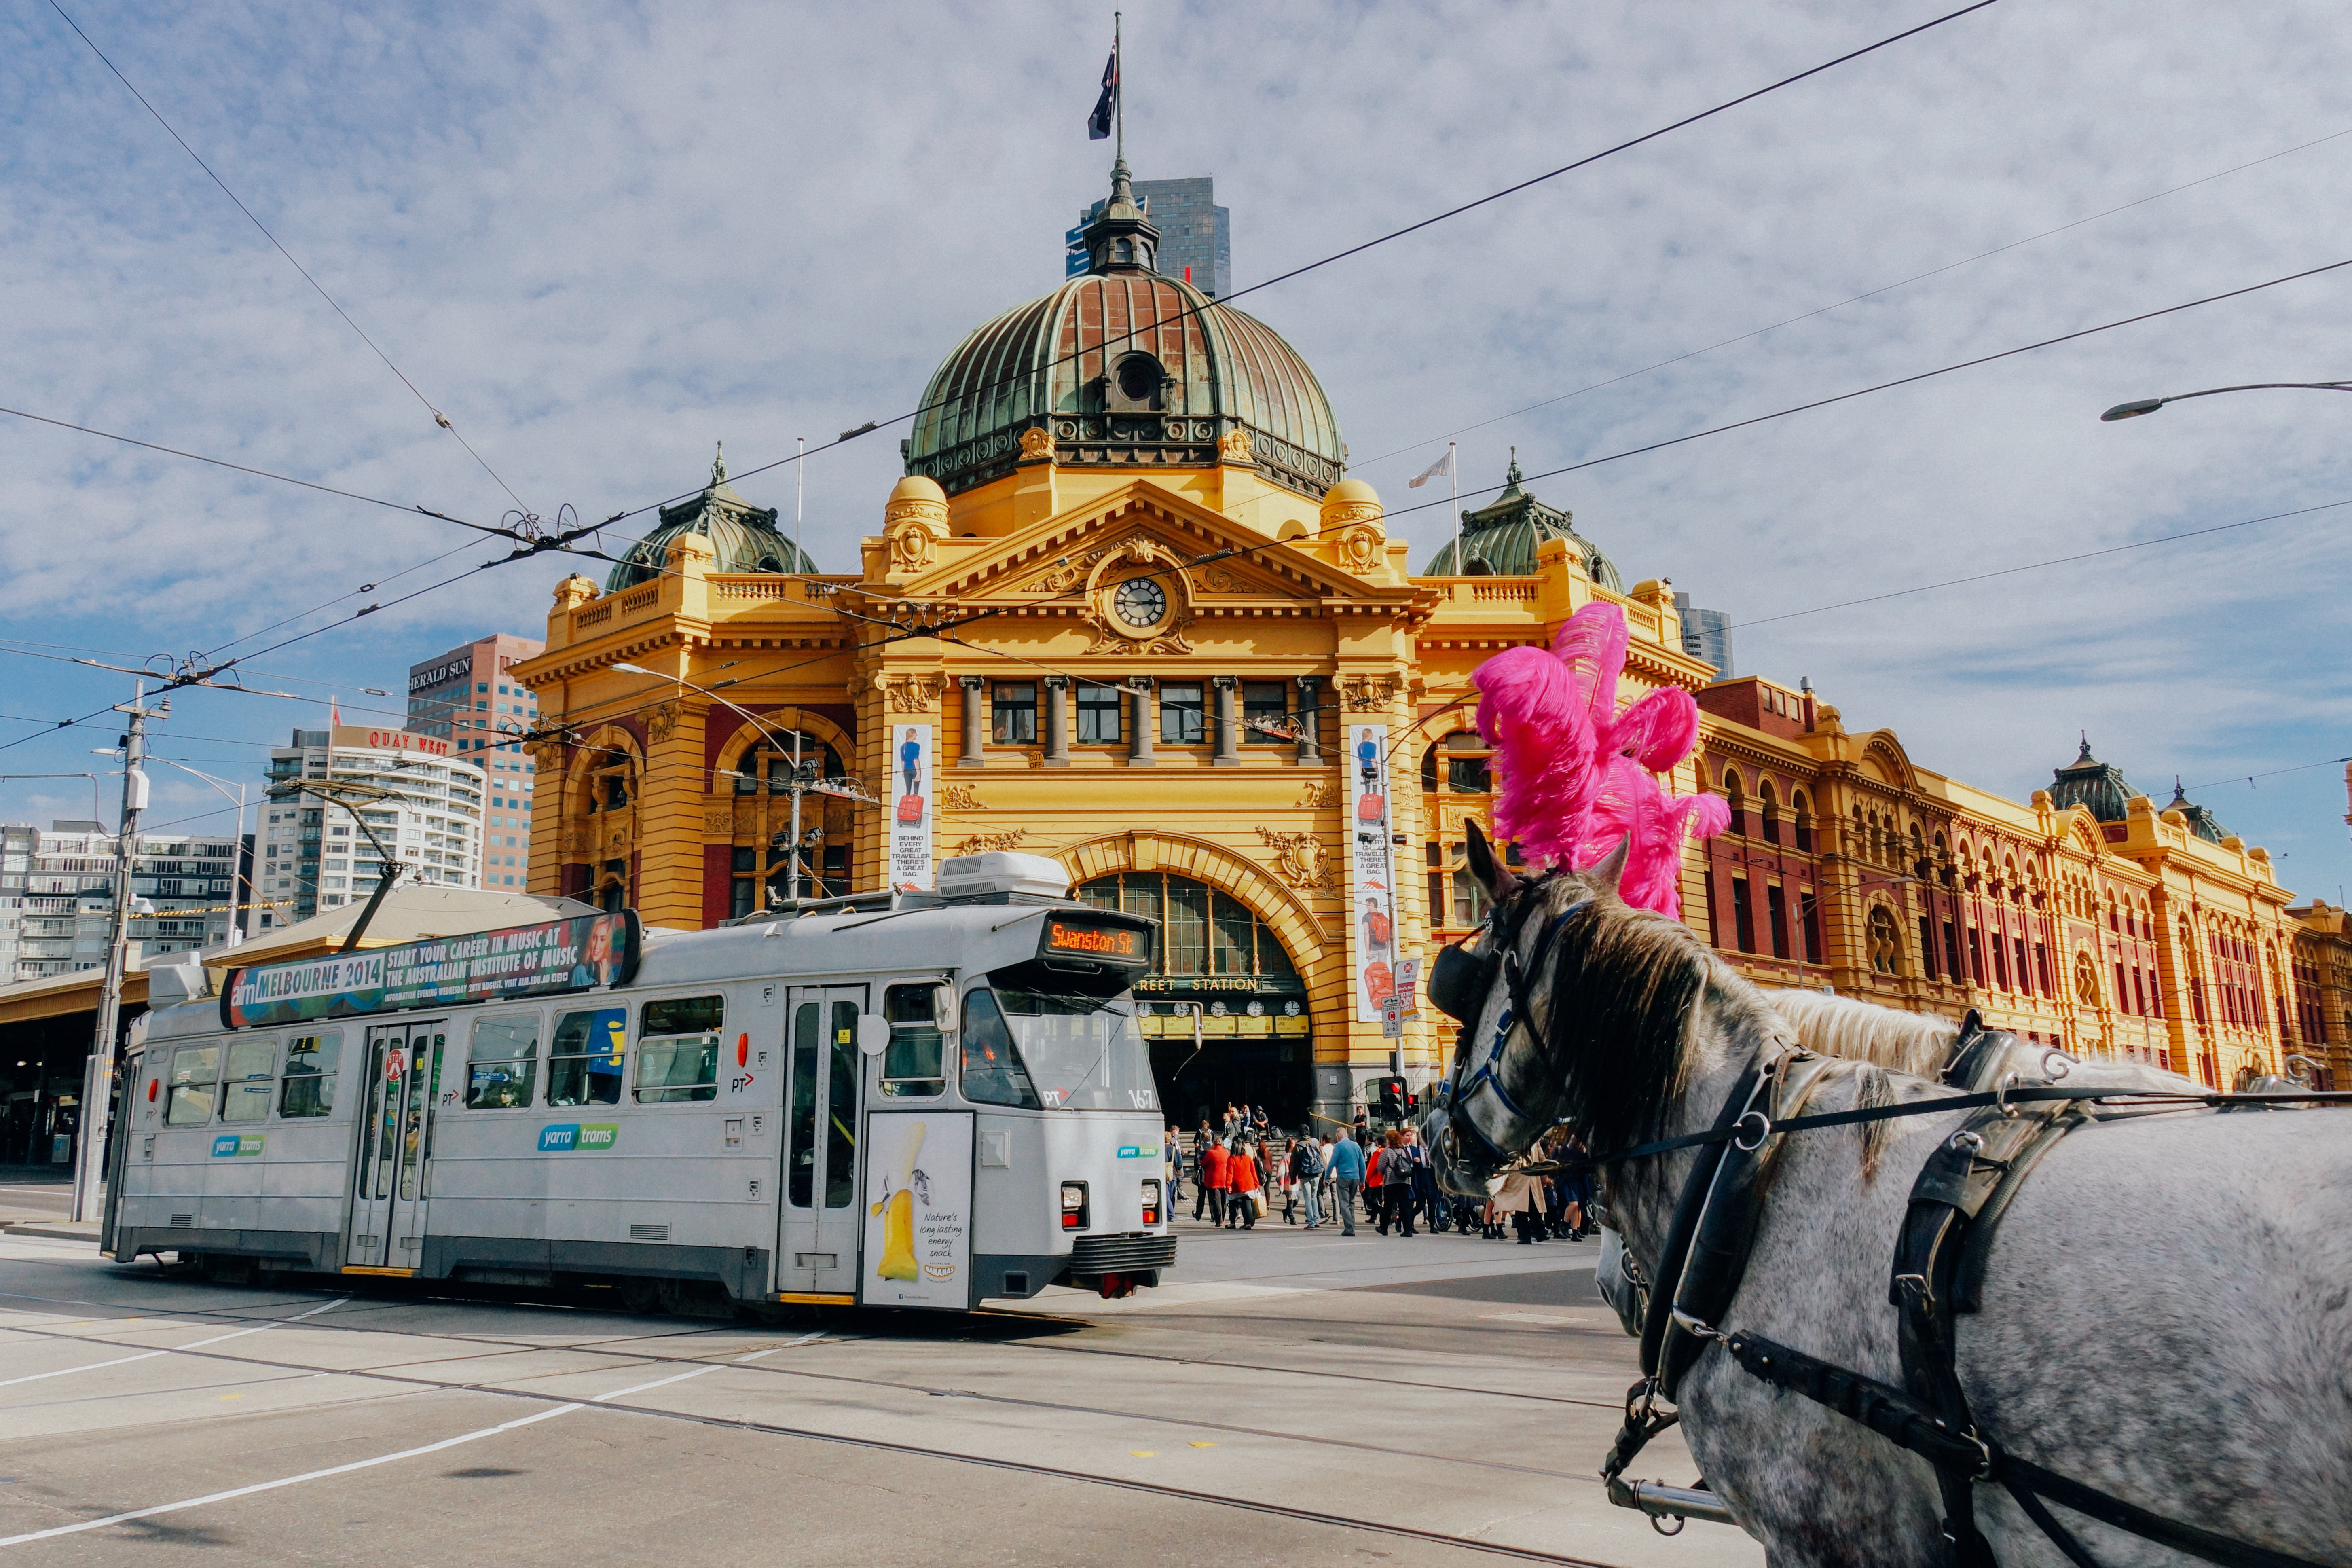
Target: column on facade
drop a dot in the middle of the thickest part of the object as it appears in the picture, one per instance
(1310, 723)
(974, 755)
(1057, 722)
(1229, 751)
(1138, 732)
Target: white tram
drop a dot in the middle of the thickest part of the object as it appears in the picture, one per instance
(915, 1100)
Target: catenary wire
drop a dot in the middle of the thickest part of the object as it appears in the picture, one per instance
(438, 417)
(1855, 299)
(1358, 249)
(1899, 381)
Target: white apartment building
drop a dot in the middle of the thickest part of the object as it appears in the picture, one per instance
(57, 896)
(316, 855)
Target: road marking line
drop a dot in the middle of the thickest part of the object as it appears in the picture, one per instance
(150, 1356)
(284, 1481)
(657, 1383)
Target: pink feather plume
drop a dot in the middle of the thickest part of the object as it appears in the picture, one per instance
(1578, 776)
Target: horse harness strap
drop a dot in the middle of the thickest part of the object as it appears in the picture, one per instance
(1955, 1206)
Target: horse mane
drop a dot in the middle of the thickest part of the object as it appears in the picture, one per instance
(1831, 1026)
(1632, 979)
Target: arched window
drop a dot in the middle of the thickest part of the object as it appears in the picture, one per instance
(1204, 930)
(1804, 821)
(1769, 811)
(2087, 979)
(1885, 942)
(1736, 798)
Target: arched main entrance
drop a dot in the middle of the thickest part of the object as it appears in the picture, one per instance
(1255, 1042)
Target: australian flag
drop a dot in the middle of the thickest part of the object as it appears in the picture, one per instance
(1106, 106)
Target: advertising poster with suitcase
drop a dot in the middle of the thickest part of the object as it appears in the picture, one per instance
(910, 807)
(1372, 882)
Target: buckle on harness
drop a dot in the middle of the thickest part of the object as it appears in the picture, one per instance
(1763, 1131)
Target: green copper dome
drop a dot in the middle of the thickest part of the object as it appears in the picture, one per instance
(1125, 368)
(742, 537)
(2090, 782)
(1500, 539)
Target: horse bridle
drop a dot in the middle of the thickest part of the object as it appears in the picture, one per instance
(1461, 982)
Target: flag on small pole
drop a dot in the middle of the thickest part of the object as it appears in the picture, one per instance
(1098, 123)
(1443, 469)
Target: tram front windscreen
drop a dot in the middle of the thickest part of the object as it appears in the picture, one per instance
(1082, 1053)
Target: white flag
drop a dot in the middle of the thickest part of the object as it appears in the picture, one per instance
(1440, 470)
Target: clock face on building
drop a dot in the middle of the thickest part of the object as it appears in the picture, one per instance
(1141, 601)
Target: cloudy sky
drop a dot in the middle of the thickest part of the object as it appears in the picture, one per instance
(602, 237)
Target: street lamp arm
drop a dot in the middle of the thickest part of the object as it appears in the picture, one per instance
(2133, 410)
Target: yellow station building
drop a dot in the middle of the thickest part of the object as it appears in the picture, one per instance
(1129, 614)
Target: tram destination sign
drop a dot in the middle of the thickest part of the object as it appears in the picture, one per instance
(1103, 937)
(575, 954)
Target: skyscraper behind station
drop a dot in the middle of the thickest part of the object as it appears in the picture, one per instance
(1195, 234)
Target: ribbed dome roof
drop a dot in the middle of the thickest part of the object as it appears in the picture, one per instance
(744, 538)
(2088, 782)
(1125, 368)
(1501, 538)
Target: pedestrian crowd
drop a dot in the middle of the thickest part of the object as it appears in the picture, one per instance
(1240, 1167)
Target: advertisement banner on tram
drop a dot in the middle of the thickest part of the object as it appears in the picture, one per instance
(919, 1210)
(1371, 882)
(910, 808)
(575, 954)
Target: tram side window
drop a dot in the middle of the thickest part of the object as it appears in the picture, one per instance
(250, 1071)
(912, 1065)
(310, 1082)
(195, 1075)
(502, 1067)
(583, 1058)
(992, 1071)
(678, 1049)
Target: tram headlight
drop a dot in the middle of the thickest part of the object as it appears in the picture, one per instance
(1151, 1203)
(1074, 1205)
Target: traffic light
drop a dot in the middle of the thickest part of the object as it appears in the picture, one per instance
(1392, 1098)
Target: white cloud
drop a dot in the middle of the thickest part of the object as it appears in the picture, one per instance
(602, 239)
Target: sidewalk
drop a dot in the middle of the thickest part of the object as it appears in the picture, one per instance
(35, 1201)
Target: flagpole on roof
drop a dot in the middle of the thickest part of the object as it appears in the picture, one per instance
(1453, 477)
(1118, 89)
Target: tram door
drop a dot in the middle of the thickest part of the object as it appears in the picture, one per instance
(390, 1190)
(817, 1251)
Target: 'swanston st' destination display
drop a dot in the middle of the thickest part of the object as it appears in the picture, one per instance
(572, 954)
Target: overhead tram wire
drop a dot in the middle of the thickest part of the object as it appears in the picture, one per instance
(873, 425)
(438, 416)
(1855, 299)
(1889, 385)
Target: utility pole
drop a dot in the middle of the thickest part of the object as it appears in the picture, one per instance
(99, 1082)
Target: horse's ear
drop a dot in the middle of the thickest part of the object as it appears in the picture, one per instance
(1492, 876)
(1611, 870)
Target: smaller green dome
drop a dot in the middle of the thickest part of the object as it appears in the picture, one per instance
(742, 537)
(1500, 539)
(2098, 786)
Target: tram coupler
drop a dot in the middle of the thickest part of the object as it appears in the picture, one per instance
(1661, 1501)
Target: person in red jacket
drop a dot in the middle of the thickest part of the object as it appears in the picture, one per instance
(1216, 1178)
(1241, 1201)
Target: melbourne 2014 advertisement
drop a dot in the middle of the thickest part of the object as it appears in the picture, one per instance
(572, 954)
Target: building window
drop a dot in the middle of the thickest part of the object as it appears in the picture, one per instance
(1743, 918)
(1183, 718)
(1810, 912)
(2087, 979)
(1204, 930)
(1098, 709)
(1776, 912)
(1013, 707)
(1768, 812)
(1804, 822)
(1266, 712)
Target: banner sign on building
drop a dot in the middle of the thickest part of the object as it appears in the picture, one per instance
(918, 1221)
(363, 738)
(1371, 880)
(910, 808)
(575, 954)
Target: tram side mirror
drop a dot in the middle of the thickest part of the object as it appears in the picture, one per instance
(873, 1034)
(943, 1007)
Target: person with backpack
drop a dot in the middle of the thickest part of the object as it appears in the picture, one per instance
(1396, 1183)
(1347, 1167)
(1242, 1200)
(1306, 1170)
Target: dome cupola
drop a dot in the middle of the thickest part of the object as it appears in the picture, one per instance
(1122, 367)
(1500, 539)
(744, 538)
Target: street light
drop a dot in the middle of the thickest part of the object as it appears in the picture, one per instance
(236, 916)
(800, 782)
(2134, 409)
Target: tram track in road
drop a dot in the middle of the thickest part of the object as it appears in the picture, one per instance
(556, 1406)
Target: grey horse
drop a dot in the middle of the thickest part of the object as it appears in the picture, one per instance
(2166, 1316)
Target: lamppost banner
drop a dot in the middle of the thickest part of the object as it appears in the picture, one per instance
(1371, 879)
(910, 807)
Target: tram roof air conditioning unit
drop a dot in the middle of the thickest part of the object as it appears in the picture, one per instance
(1001, 871)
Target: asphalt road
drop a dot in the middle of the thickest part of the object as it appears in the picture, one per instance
(1287, 1397)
